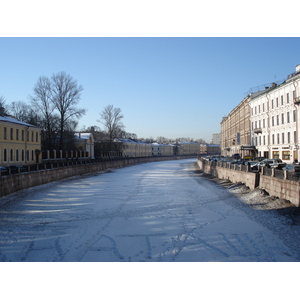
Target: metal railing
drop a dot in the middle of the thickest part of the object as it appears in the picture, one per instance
(277, 173)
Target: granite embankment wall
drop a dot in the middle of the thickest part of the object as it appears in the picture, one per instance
(16, 182)
(281, 188)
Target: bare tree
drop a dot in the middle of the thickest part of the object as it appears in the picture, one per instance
(111, 118)
(23, 112)
(65, 95)
(42, 101)
(2, 101)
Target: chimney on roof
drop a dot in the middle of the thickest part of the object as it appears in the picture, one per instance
(274, 85)
(266, 87)
(1, 111)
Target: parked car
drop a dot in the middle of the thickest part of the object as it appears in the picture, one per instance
(258, 158)
(279, 166)
(4, 171)
(292, 168)
(253, 165)
(270, 162)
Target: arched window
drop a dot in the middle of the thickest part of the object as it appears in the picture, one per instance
(11, 155)
(32, 155)
(17, 155)
(5, 155)
(27, 155)
(23, 157)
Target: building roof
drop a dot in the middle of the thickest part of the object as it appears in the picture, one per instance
(83, 135)
(10, 119)
(124, 140)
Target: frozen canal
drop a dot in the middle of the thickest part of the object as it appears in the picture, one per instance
(154, 212)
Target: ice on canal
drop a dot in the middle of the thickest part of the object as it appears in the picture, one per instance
(153, 212)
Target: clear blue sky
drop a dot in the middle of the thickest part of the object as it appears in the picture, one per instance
(170, 87)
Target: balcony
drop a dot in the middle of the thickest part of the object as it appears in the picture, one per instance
(257, 130)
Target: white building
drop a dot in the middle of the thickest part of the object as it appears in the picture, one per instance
(274, 119)
(162, 149)
(84, 141)
(216, 139)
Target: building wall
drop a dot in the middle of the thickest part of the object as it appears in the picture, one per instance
(235, 130)
(162, 149)
(19, 144)
(216, 138)
(210, 149)
(85, 142)
(275, 121)
(188, 148)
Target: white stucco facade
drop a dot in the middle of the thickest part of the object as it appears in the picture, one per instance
(274, 119)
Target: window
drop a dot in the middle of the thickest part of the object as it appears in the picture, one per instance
(282, 138)
(5, 155)
(277, 119)
(272, 103)
(289, 137)
(273, 139)
(17, 154)
(255, 109)
(17, 134)
(32, 136)
(287, 98)
(11, 133)
(285, 155)
(11, 155)
(27, 136)
(278, 138)
(272, 120)
(258, 108)
(277, 102)
(275, 154)
(22, 135)
(294, 115)
(5, 133)
(282, 118)
(27, 155)
(264, 140)
(37, 137)
(23, 158)
(288, 117)
(263, 107)
(259, 140)
(32, 155)
(281, 100)
(264, 125)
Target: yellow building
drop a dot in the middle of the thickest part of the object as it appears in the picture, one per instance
(20, 143)
(235, 131)
(188, 148)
